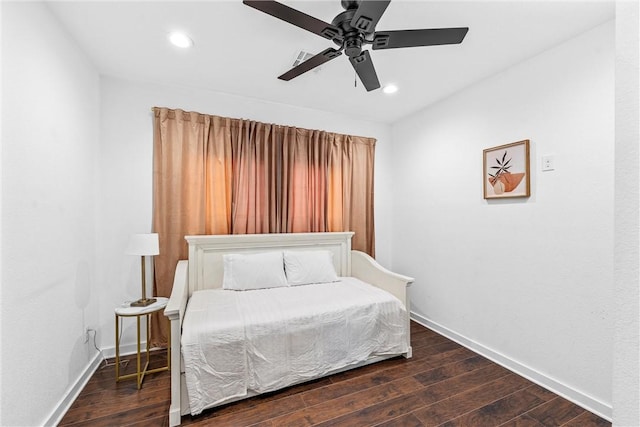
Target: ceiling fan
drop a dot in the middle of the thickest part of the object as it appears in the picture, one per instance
(351, 30)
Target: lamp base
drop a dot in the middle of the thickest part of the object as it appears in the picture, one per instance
(143, 302)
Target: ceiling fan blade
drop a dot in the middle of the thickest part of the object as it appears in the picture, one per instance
(295, 17)
(368, 14)
(365, 70)
(311, 63)
(415, 38)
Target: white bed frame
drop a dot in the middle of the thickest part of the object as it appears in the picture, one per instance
(204, 270)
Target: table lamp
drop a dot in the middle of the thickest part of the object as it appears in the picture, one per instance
(143, 245)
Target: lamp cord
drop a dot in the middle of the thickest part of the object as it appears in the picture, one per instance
(104, 362)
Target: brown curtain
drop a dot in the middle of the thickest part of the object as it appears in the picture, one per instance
(217, 175)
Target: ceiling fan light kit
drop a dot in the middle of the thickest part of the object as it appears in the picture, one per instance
(351, 30)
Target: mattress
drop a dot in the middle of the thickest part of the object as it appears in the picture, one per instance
(262, 340)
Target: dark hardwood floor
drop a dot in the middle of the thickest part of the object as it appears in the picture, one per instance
(444, 384)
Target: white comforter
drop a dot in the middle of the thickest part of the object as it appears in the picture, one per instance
(263, 340)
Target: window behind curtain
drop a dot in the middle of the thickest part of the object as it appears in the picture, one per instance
(217, 175)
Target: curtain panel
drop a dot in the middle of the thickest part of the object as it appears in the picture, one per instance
(219, 175)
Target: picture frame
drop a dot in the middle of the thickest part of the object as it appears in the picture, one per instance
(506, 172)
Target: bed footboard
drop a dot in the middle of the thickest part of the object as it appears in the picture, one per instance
(367, 269)
(175, 312)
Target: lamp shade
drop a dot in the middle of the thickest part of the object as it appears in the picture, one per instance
(143, 244)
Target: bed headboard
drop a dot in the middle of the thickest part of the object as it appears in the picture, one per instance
(206, 266)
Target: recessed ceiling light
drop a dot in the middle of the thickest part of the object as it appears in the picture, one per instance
(390, 88)
(180, 39)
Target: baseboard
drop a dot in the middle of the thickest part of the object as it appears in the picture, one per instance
(73, 391)
(587, 402)
(125, 350)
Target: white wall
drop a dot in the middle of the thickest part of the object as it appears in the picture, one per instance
(50, 135)
(626, 374)
(126, 180)
(527, 281)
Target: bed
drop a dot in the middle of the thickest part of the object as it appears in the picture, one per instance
(229, 343)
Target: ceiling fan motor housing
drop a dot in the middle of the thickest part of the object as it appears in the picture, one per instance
(352, 38)
(353, 46)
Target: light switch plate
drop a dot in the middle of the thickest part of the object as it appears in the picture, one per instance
(548, 163)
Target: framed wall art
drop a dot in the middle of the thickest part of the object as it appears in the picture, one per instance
(506, 171)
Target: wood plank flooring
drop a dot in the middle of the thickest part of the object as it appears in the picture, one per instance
(444, 384)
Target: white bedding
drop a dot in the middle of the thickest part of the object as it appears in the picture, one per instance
(263, 340)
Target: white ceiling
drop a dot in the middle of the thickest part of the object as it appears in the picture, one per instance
(240, 50)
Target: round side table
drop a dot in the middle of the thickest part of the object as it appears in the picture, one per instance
(138, 312)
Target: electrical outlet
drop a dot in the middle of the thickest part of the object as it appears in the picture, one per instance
(548, 163)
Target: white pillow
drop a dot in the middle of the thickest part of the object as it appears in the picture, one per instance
(306, 267)
(253, 271)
